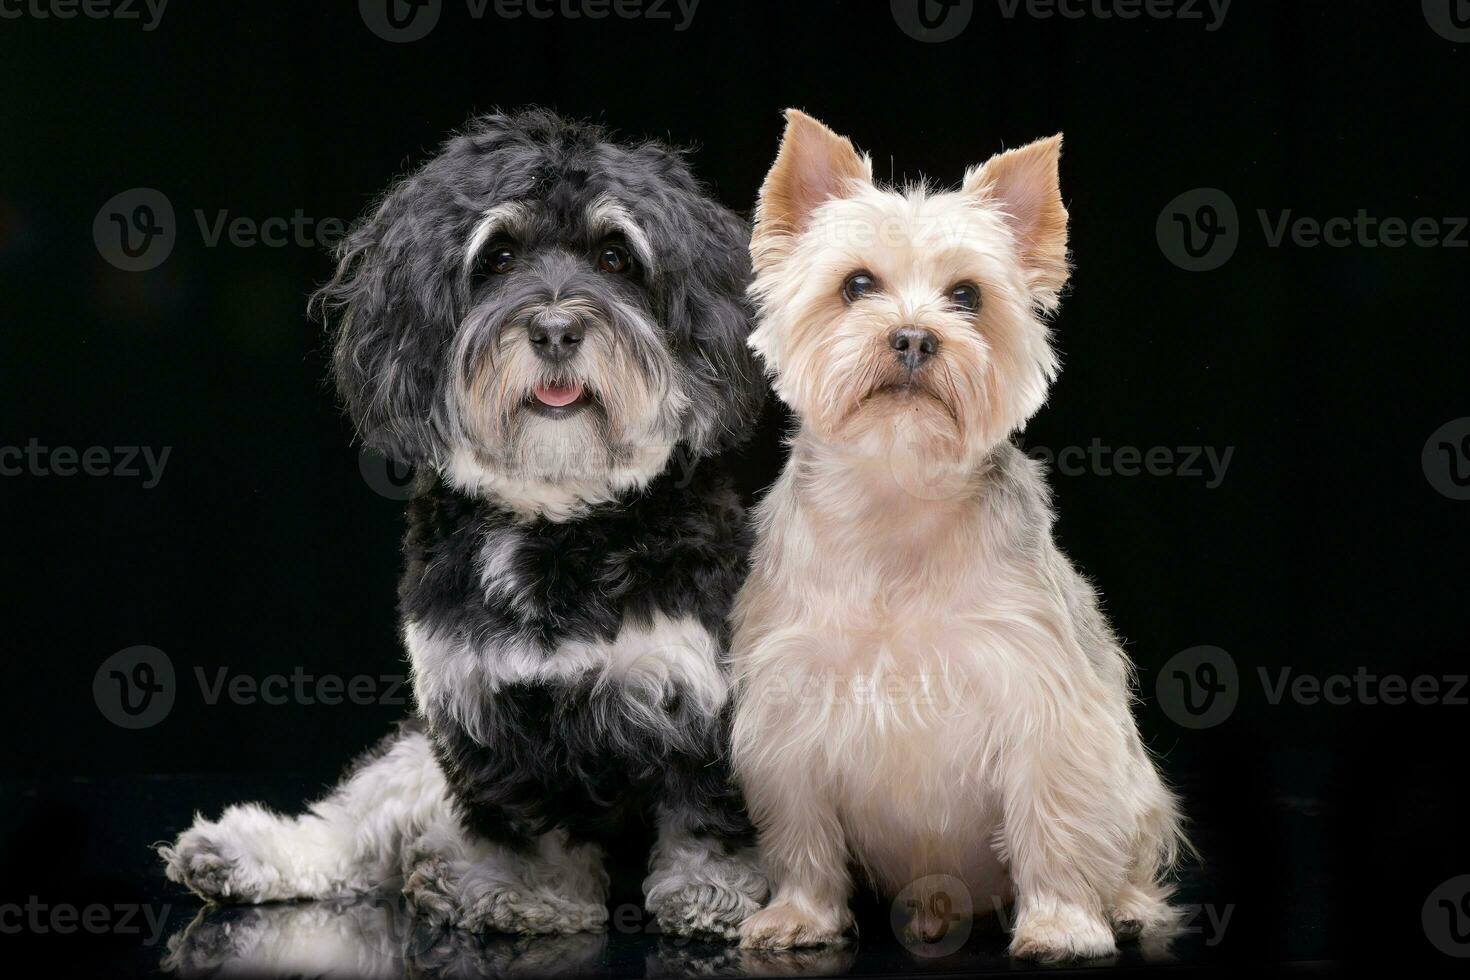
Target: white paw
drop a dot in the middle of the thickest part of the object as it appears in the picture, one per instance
(783, 925)
(1062, 931)
(212, 869)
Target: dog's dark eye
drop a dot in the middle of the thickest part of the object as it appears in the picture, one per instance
(498, 259)
(858, 284)
(966, 296)
(614, 258)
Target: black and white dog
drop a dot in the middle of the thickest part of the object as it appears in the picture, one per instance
(551, 327)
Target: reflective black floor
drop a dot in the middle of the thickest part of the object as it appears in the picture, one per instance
(376, 939)
(82, 889)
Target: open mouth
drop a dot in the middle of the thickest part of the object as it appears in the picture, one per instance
(559, 400)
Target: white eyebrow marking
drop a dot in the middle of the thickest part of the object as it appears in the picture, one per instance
(501, 218)
(607, 215)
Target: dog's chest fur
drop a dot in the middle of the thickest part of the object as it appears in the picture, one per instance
(903, 656)
(584, 654)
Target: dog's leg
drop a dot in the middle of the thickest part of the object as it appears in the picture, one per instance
(1142, 906)
(805, 855)
(701, 882)
(1066, 834)
(343, 845)
(551, 885)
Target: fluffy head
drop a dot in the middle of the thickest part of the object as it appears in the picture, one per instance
(544, 315)
(908, 319)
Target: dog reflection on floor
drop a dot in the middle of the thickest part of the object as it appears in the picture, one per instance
(678, 957)
(368, 938)
(378, 938)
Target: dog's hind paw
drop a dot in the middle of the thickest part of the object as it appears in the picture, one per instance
(1144, 911)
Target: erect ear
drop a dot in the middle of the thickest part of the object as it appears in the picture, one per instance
(813, 166)
(1024, 185)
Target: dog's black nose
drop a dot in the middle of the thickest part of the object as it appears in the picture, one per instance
(555, 336)
(913, 346)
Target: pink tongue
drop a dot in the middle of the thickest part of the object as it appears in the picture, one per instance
(557, 395)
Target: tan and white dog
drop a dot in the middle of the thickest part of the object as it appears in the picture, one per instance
(927, 686)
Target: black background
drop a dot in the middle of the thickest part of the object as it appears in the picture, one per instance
(265, 550)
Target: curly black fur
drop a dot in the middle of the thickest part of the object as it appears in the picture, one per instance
(568, 755)
(580, 754)
(400, 293)
(569, 564)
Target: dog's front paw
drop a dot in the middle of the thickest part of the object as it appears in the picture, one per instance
(784, 925)
(711, 900)
(1062, 931)
(523, 911)
(429, 893)
(705, 908)
(213, 871)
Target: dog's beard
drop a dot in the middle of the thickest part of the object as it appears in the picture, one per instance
(881, 396)
(850, 389)
(619, 432)
(913, 422)
(924, 430)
